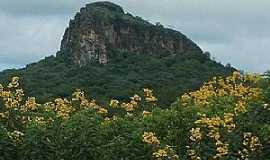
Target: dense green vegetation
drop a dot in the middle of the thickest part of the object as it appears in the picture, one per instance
(125, 74)
(230, 122)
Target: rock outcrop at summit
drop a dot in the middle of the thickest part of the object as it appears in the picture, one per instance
(103, 26)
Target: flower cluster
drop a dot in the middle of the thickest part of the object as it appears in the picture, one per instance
(30, 104)
(251, 143)
(78, 95)
(11, 98)
(11, 103)
(4, 115)
(160, 153)
(150, 138)
(192, 154)
(133, 104)
(102, 111)
(16, 136)
(85, 103)
(165, 153)
(214, 124)
(240, 91)
(229, 122)
(114, 103)
(63, 108)
(149, 96)
(211, 123)
(236, 85)
(14, 82)
(196, 134)
(221, 150)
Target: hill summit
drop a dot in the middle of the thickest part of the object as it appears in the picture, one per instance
(102, 26)
(111, 54)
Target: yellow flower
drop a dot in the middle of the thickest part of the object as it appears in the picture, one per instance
(63, 108)
(19, 94)
(185, 98)
(235, 86)
(251, 142)
(214, 133)
(78, 95)
(134, 103)
(222, 150)
(16, 136)
(244, 154)
(93, 104)
(229, 122)
(128, 107)
(14, 82)
(150, 99)
(30, 104)
(240, 107)
(11, 103)
(211, 123)
(150, 138)
(192, 154)
(146, 114)
(161, 153)
(236, 76)
(102, 111)
(196, 134)
(148, 92)
(136, 98)
(149, 96)
(114, 103)
(4, 115)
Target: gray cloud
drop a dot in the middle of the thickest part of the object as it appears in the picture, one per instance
(25, 40)
(36, 7)
(234, 32)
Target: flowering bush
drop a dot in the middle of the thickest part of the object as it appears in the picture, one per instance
(227, 118)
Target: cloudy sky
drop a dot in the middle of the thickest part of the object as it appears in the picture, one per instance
(235, 32)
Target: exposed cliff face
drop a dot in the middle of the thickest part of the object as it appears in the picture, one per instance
(102, 26)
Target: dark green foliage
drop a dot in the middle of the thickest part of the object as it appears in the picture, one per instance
(84, 137)
(127, 73)
(8, 151)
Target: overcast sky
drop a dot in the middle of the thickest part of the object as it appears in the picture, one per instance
(233, 31)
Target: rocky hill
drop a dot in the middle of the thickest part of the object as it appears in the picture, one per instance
(112, 54)
(102, 26)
